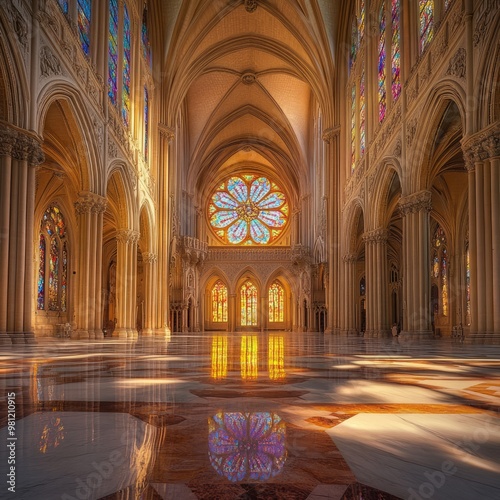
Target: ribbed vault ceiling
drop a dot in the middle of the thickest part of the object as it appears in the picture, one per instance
(245, 81)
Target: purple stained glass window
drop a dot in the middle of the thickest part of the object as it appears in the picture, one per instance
(426, 22)
(248, 210)
(113, 52)
(41, 274)
(84, 13)
(247, 446)
(126, 68)
(146, 46)
(382, 97)
(396, 50)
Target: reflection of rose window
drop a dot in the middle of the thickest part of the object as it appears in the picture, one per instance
(247, 445)
(248, 210)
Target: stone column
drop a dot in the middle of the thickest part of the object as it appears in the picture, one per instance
(349, 296)
(150, 261)
(376, 282)
(232, 313)
(20, 152)
(415, 210)
(482, 156)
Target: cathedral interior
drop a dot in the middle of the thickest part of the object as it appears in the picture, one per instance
(250, 249)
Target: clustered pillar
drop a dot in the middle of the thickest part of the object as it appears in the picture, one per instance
(20, 153)
(415, 210)
(150, 261)
(482, 154)
(376, 282)
(349, 313)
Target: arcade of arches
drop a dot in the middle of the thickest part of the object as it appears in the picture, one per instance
(249, 165)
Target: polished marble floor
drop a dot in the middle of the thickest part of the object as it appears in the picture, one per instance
(250, 416)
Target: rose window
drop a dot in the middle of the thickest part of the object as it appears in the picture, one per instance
(248, 210)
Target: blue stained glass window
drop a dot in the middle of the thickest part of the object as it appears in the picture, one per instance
(382, 100)
(247, 446)
(126, 68)
(113, 51)
(64, 5)
(146, 46)
(84, 13)
(248, 210)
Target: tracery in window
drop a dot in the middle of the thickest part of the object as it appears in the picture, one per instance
(426, 22)
(248, 210)
(362, 115)
(382, 100)
(53, 262)
(248, 304)
(395, 49)
(219, 302)
(84, 14)
(276, 303)
(113, 52)
(126, 67)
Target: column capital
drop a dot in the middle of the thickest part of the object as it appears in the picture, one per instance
(330, 133)
(377, 235)
(349, 258)
(482, 145)
(90, 202)
(416, 202)
(166, 132)
(149, 258)
(21, 145)
(127, 236)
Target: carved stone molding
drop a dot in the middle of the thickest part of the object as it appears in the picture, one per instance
(248, 78)
(49, 63)
(481, 146)
(20, 27)
(376, 236)
(457, 66)
(21, 146)
(251, 5)
(149, 258)
(483, 23)
(112, 149)
(330, 133)
(349, 258)
(411, 130)
(8, 139)
(128, 236)
(166, 132)
(416, 202)
(90, 203)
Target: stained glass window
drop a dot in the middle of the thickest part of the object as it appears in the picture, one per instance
(146, 46)
(447, 3)
(276, 357)
(382, 100)
(435, 265)
(64, 5)
(362, 115)
(84, 12)
(353, 127)
(53, 262)
(41, 273)
(439, 271)
(219, 302)
(249, 357)
(426, 22)
(126, 68)
(248, 302)
(247, 446)
(396, 49)
(113, 52)
(219, 357)
(444, 281)
(146, 124)
(361, 21)
(248, 210)
(354, 42)
(276, 303)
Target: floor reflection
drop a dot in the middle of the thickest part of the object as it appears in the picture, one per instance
(249, 446)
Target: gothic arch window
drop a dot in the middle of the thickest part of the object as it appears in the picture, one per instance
(248, 210)
(126, 67)
(439, 269)
(146, 124)
(146, 46)
(84, 17)
(276, 302)
(219, 302)
(388, 45)
(467, 285)
(248, 304)
(52, 284)
(426, 22)
(113, 52)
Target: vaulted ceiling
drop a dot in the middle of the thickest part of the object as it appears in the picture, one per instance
(246, 77)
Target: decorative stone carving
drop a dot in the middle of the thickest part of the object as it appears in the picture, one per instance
(416, 202)
(349, 258)
(248, 78)
(149, 258)
(440, 45)
(49, 63)
(411, 90)
(376, 236)
(21, 146)
(128, 236)
(8, 138)
(481, 146)
(112, 149)
(330, 133)
(250, 5)
(483, 23)
(90, 203)
(411, 130)
(397, 149)
(457, 64)
(166, 132)
(20, 27)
